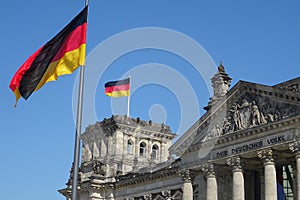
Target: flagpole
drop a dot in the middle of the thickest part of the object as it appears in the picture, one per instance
(128, 99)
(78, 132)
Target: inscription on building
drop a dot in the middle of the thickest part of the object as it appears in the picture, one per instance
(253, 145)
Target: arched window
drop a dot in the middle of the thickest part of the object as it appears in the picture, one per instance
(154, 151)
(142, 149)
(129, 147)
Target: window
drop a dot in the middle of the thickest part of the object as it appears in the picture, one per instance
(142, 149)
(129, 147)
(154, 154)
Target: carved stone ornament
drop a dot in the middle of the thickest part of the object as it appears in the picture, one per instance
(99, 168)
(295, 87)
(148, 196)
(166, 193)
(251, 110)
(235, 162)
(295, 147)
(220, 82)
(208, 169)
(266, 155)
(185, 175)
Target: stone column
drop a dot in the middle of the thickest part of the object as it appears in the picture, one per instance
(149, 149)
(187, 185)
(238, 190)
(211, 185)
(270, 174)
(295, 148)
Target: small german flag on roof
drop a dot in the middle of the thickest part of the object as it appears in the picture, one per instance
(118, 88)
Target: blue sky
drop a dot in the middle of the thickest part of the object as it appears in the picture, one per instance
(257, 41)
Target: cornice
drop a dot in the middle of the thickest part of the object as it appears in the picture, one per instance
(133, 179)
(129, 126)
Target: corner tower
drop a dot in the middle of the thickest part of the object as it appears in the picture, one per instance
(117, 146)
(123, 144)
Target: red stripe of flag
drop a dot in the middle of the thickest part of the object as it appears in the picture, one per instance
(117, 88)
(70, 45)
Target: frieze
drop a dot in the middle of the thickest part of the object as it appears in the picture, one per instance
(253, 145)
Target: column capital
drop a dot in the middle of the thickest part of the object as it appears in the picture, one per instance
(295, 147)
(235, 162)
(166, 193)
(208, 169)
(185, 175)
(148, 196)
(267, 156)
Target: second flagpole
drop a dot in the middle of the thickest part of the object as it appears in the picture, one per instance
(128, 99)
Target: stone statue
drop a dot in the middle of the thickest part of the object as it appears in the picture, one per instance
(86, 153)
(226, 125)
(257, 116)
(236, 117)
(99, 168)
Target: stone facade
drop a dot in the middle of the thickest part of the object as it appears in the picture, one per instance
(242, 148)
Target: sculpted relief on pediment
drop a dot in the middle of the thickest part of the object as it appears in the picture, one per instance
(248, 111)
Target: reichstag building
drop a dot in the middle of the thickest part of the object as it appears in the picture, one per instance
(246, 146)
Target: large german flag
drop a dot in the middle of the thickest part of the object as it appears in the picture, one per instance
(118, 88)
(63, 54)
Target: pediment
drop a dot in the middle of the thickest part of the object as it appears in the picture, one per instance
(245, 106)
(250, 110)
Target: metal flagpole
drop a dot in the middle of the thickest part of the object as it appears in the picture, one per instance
(78, 131)
(128, 98)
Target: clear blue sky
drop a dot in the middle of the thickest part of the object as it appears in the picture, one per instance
(258, 41)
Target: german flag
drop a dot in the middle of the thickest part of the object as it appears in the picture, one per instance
(118, 88)
(63, 54)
